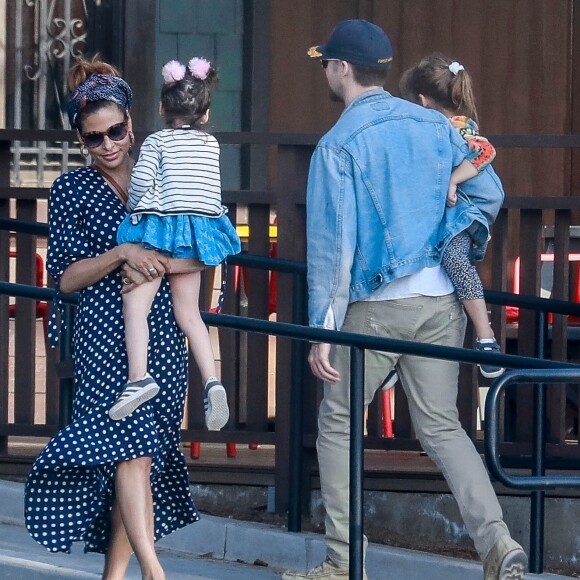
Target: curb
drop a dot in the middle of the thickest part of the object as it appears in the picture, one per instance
(234, 541)
(250, 542)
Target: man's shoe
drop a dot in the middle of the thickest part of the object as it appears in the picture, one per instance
(215, 405)
(134, 394)
(489, 371)
(505, 561)
(328, 570)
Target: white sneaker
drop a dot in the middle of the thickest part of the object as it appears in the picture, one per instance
(134, 394)
(215, 405)
(390, 380)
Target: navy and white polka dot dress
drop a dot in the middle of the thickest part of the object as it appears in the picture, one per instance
(69, 492)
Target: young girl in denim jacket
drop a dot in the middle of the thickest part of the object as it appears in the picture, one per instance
(439, 83)
(176, 208)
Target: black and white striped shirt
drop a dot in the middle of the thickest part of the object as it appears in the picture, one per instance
(177, 172)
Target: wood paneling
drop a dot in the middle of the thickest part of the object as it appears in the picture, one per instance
(517, 51)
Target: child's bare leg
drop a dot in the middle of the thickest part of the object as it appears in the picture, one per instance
(185, 294)
(477, 311)
(136, 307)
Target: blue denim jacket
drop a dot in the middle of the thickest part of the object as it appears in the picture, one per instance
(376, 197)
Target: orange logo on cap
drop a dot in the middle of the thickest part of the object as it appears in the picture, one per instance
(313, 52)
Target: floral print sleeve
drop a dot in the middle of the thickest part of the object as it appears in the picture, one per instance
(482, 151)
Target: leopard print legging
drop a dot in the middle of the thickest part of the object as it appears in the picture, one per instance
(460, 270)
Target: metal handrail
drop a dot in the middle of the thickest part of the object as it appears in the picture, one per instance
(299, 332)
(294, 267)
(538, 481)
(492, 427)
(358, 344)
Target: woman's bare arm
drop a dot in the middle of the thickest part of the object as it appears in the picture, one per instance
(85, 273)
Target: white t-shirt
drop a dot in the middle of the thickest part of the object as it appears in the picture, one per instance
(426, 282)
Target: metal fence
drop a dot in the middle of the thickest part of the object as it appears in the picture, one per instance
(289, 155)
(551, 371)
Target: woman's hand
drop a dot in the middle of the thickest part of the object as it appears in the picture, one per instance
(131, 278)
(184, 266)
(148, 263)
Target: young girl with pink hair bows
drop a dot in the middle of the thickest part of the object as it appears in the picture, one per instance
(176, 208)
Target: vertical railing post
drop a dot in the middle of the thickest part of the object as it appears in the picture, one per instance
(295, 467)
(4, 275)
(291, 174)
(66, 355)
(537, 498)
(356, 468)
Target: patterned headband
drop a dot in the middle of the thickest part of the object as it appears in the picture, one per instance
(99, 87)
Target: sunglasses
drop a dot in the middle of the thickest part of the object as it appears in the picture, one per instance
(116, 133)
(324, 63)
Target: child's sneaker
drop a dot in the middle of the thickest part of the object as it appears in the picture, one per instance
(215, 405)
(134, 394)
(489, 371)
(390, 380)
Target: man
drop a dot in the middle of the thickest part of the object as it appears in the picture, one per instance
(376, 196)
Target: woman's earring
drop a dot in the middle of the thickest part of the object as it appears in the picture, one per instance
(84, 151)
(131, 141)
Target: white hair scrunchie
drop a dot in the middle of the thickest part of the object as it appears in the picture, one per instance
(455, 67)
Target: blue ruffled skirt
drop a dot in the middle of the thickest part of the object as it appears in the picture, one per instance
(207, 239)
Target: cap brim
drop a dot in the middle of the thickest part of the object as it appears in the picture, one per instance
(313, 52)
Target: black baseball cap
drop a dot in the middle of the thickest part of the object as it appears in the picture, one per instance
(356, 41)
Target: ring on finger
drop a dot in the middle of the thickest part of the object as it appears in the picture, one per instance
(151, 270)
(126, 281)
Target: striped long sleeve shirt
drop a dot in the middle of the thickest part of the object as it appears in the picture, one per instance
(177, 173)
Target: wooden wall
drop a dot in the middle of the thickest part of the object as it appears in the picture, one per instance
(519, 52)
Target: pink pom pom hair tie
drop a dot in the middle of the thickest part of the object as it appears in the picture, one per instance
(199, 68)
(173, 71)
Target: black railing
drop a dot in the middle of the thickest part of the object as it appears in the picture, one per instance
(538, 481)
(548, 370)
(358, 343)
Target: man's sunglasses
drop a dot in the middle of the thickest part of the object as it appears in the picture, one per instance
(324, 63)
(116, 133)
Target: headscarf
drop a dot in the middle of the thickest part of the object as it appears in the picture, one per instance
(99, 87)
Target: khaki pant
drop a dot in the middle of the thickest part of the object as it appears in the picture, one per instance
(431, 388)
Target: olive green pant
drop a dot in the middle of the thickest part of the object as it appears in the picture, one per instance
(431, 388)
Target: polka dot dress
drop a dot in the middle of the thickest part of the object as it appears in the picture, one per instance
(70, 490)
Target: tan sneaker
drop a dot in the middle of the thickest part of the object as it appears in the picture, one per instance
(505, 561)
(328, 570)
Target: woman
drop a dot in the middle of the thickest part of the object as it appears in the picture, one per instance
(117, 485)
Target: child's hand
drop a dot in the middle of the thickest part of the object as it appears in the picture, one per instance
(474, 144)
(452, 195)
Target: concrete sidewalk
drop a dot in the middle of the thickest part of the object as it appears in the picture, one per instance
(217, 548)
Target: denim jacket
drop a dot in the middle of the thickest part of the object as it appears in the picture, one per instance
(376, 197)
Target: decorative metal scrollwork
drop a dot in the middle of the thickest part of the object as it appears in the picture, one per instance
(57, 37)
